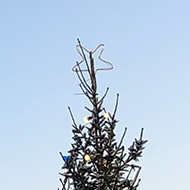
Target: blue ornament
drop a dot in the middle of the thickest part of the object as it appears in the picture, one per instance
(65, 158)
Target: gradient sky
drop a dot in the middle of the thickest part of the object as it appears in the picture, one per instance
(148, 44)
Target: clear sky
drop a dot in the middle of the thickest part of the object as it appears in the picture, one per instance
(147, 42)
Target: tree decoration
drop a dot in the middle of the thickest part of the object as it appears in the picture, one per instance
(96, 161)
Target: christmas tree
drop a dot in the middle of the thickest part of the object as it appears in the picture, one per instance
(96, 161)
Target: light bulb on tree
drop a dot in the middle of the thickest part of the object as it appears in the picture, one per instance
(86, 119)
(106, 115)
(87, 157)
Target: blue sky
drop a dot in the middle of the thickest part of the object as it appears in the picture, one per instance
(148, 44)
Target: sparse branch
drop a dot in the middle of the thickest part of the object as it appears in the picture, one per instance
(141, 135)
(129, 173)
(83, 90)
(137, 174)
(84, 83)
(89, 110)
(86, 94)
(84, 56)
(72, 117)
(101, 100)
(121, 141)
(61, 182)
(117, 99)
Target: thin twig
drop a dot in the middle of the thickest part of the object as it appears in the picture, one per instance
(61, 155)
(124, 133)
(103, 96)
(85, 85)
(141, 135)
(108, 117)
(115, 106)
(89, 110)
(136, 176)
(86, 94)
(137, 183)
(61, 174)
(84, 56)
(61, 182)
(92, 75)
(72, 117)
(129, 173)
(129, 158)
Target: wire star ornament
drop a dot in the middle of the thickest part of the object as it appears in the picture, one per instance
(80, 49)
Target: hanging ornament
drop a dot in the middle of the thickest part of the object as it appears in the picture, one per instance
(65, 158)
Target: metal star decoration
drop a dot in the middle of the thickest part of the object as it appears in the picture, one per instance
(80, 49)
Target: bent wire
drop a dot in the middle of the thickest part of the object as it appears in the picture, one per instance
(74, 69)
